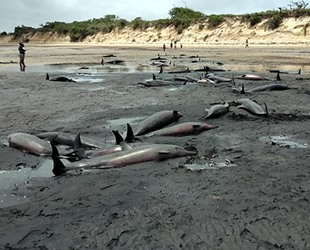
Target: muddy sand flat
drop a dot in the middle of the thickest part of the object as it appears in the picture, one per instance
(248, 187)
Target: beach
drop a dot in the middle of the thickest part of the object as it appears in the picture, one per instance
(247, 188)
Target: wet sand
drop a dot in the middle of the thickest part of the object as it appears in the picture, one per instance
(253, 192)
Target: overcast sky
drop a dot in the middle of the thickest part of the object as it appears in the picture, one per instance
(35, 12)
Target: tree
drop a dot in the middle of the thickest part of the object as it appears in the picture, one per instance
(301, 5)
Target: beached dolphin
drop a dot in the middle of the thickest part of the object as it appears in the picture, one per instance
(179, 71)
(182, 129)
(59, 78)
(270, 87)
(115, 148)
(117, 61)
(251, 77)
(156, 121)
(217, 78)
(68, 139)
(34, 145)
(264, 88)
(159, 83)
(251, 106)
(128, 156)
(109, 55)
(217, 110)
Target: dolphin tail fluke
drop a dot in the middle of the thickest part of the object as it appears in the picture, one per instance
(185, 82)
(47, 76)
(102, 62)
(118, 138)
(59, 168)
(278, 76)
(161, 70)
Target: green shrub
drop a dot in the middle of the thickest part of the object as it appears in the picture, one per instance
(201, 26)
(215, 20)
(255, 19)
(274, 22)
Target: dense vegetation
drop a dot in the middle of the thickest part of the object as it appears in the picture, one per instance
(180, 18)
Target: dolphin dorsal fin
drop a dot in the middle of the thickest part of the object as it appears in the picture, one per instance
(47, 76)
(154, 77)
(118, 138)
(77, 142)
(130, 135)
(59, 168)
(242, 90)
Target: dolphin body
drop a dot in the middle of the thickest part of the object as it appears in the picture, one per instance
(158, 83)
(217, 110)
(115, 148)
(270, 87)
(68, 139)
(251, 106)
(251, 77)
(33, 145)
(182, 129)
(59, 78)
(156, 121)
(128, 156)
(218, 79)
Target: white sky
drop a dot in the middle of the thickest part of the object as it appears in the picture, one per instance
(35, 12)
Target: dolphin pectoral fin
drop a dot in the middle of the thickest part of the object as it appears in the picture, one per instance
(59, 168)
(162, 155)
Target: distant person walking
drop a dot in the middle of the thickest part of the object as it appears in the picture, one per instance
(247, 43)
(171, 45)
(22, 52)
(164, 47)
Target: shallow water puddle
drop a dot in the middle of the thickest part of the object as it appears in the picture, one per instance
(11, 181)
(283, 141)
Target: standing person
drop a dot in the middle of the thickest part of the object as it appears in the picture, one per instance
(171, 45)
(247, 43)
(164, 47)
(22, 52)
